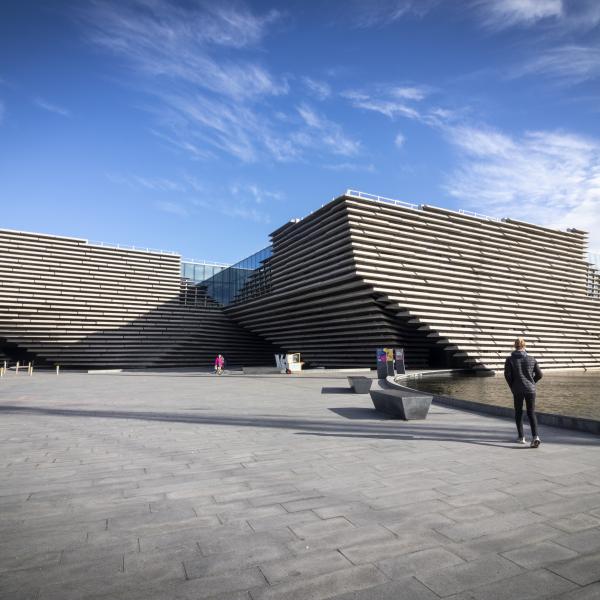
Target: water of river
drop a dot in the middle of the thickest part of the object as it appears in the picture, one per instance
(575, 394)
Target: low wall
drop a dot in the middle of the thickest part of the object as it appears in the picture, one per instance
(553, 420)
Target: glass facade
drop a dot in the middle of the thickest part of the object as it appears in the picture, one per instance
(244, 280)
(199, 271)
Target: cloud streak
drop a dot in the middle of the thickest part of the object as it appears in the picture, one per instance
(502, 14)
(211, 96)
(53, 108)
(570, 64)
(546, 177)
(380, 13)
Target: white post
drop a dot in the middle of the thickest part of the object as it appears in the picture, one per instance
(1, 371)
(57, 369)
(30, 370)
(17, 369)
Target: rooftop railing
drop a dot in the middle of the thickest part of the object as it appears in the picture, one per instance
(135, 248)
(209, 263)
(404, 204)
(375, 198)
(470, 213)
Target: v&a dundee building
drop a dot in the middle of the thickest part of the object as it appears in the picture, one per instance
(454, 289)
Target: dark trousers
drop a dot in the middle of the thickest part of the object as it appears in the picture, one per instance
(530, 404)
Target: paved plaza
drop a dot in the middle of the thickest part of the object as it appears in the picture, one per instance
(164, 486)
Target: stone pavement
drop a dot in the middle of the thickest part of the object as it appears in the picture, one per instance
(187, 486)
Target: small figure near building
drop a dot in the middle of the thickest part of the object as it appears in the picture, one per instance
(522, 372)
(219, 364)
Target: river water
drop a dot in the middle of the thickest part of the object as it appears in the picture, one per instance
(572, 393)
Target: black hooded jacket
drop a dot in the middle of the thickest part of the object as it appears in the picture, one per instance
(521, 372)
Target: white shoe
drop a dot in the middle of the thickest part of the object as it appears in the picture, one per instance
(535, 442)
(520, 441)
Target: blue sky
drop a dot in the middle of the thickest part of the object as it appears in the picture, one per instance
(202, 126)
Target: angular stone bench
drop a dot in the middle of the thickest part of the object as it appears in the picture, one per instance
(360, 385)
(401, 404)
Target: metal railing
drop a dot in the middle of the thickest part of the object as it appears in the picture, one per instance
(404, 204)
(210, 263)
(374, 197)
(470, 213)
(135, 248)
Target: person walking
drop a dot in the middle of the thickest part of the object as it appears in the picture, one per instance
(219, 364)
(522, 372)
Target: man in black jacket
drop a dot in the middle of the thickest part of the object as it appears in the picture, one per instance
(522, 372)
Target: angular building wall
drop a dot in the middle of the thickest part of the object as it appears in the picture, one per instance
(451, 289)
(316, 303)
(65, 301)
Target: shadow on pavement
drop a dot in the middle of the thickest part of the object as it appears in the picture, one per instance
(488, 434)
(355, 412)
(336, 390)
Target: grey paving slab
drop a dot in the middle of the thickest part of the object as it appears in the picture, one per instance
(539, 555)
(589, 592)
(416, 563)
(583, 570)
(155, 486)
(323, 586)
(256, 554)
(306, 565)
(381, 549)
(355, 536)
(582, 541)
(530, 585)
(577, 522)
(486, 526)
(404, 589)
(466, 576)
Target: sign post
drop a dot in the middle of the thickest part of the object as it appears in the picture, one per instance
(399, 363)
(381, 363)
(385, 362)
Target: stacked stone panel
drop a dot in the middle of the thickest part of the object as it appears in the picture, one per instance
(76, 304)
(317, 303)
(477, 284)
(452, 289)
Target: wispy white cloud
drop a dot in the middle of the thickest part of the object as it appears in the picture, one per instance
(399, 140)
(546, 177)
(53, 108)
(229, 207)
(379, 13)
(389, 108)
(409, 93)
(255, 192)
(323, 132)
(157, 184)
(187, 196)
(179, 42)
(502, 14)
(174, 208)
(351, 167)
(211, 97)
(320, 89)
(570, 64)
(400, 101)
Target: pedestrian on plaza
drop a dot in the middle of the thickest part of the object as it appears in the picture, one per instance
(522, 372)
(219, 364)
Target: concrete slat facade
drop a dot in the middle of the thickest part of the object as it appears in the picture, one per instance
(65, 301)
(452, 289)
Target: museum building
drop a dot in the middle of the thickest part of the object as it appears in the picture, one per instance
(454, 289)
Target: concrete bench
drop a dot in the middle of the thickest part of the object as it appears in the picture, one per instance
(360, 385)
(401, 404)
